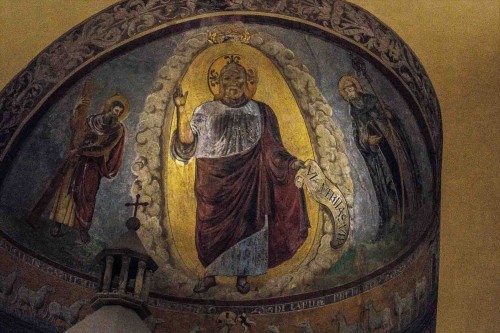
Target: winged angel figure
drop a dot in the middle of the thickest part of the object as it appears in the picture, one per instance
(95, 151)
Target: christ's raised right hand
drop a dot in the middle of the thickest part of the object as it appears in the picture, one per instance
(183, 117)
(180, 97)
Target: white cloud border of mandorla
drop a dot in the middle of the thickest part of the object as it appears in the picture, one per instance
(326, 137)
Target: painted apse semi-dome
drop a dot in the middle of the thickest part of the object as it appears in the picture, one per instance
(287, 155)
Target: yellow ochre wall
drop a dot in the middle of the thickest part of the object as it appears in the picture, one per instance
(458, 44)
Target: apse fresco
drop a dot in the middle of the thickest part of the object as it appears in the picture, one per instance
(367, 145)
(275, 165)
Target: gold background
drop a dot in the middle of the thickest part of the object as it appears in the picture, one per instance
(273, 90)
(457, 42)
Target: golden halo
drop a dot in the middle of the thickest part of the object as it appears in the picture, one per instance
(348, 80)
(213, 75)
(117, 98)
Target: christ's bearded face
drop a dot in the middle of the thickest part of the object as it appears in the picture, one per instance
(233, 81)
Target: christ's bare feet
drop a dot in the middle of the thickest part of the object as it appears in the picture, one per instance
(242, 285)
(205, 284)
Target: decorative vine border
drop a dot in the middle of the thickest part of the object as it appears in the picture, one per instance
(429, 241)
(47, 267)
(295, 305)
(129, 20)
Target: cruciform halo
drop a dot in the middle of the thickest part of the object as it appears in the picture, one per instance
(213, 75)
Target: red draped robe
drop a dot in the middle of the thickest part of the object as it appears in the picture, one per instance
(94, 163)
(74, 187)
(236, 192)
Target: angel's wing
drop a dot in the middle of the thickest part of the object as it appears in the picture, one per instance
(79, 116)
(78, 125)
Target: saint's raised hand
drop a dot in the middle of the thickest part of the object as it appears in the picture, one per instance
(374, 140)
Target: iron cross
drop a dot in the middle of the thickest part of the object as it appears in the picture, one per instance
(136, 204)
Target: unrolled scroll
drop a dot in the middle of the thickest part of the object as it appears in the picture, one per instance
(329, 196)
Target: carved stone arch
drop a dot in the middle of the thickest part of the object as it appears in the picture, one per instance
(326, 137)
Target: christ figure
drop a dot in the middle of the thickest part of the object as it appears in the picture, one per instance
(249, 216)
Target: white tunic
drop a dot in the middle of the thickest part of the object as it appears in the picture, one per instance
(223, 130)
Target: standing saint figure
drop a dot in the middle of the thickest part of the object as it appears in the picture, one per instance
(95, 151)
(385, 150)
(249, 216)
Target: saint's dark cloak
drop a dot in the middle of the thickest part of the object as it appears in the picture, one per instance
(234, 193)
(391, 163)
